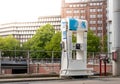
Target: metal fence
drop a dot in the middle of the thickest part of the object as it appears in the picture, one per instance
(22, 60)
(97, 61)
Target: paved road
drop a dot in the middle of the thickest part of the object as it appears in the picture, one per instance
(73, 81)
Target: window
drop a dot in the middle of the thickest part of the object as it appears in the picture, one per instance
(91, 4)
(101, 3)
(92, 22)
(76, 11)
(68, 11)
(92, 16)
(82, 11)
(93, 28)
(99, 28)
(92, 10)
(99, 15)
(70, 5)
(99, 22)
(98, 4)
(77, 5)
(83, 5)
(74, 5)
(69, 16)
(76, 17)
(99, 34)
(99, 10)
(94, 4)
(82, 17)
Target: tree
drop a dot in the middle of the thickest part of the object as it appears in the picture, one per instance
(54, 45)
(8, 44)
(27, 45)
(105, 43)
(39, 40)
(93, 42)
(1, 43)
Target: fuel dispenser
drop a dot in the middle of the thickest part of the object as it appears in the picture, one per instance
(74, 55)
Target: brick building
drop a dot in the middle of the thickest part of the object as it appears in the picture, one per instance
(94, 11)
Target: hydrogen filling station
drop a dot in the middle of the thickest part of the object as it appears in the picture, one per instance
(74, 55)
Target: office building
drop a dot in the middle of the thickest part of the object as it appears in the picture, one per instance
(54, 20)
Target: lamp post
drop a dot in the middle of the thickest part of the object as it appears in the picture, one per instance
(109, 34)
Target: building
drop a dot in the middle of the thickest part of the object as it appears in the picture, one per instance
(20, 30)
(54, 20)
(25, 30)
(94, 11)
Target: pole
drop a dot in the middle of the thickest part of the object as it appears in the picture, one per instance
(28, 63)
(52, 61)
(116, 34)
(100, 67)
(105, 67)
(93, 59)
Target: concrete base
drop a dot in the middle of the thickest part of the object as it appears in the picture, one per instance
(72, 72)
(116, 68)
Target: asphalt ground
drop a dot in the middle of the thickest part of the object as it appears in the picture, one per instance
(49, 80)
(52, 77)
(28, 77)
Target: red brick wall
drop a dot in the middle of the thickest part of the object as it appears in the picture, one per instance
(6, 71)
(49, 68)
(96, 68)
(55, 68)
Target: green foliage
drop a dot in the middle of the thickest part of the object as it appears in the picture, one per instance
(39, 40)
(43, 35)
(93, 42)
(54, 45)
(105, 43)
(1, 43)
(9, 43)
(46, 39)
(27, 45)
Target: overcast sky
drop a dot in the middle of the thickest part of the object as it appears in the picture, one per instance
(27, 10)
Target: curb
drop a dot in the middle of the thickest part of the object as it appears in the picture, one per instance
(25, 79)
(29, 79)
(27, 75)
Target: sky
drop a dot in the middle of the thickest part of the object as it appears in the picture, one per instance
(27, 10)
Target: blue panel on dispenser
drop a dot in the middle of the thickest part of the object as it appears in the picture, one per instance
(73, 24)
(64, 35)
(83, 25)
